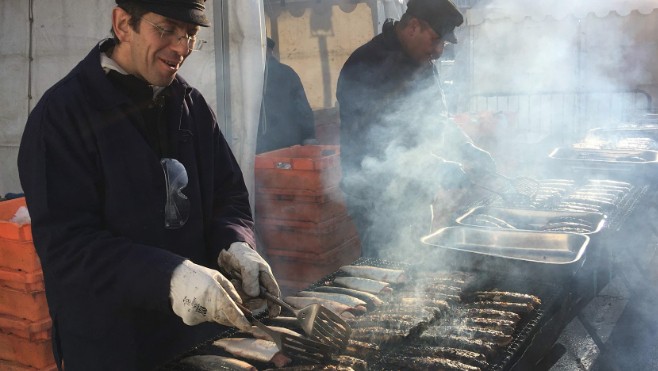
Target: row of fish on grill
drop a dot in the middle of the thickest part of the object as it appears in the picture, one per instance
(594, 195)
(433, 321)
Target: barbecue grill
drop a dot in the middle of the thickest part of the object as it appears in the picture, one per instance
(518, 351)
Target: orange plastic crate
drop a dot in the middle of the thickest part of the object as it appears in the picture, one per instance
(13, 366)
(31, 330)
(22, 281)
(312, 167)
(37, 354)
(16, 247)
(300, 205)
(305, 236)
(29, 305)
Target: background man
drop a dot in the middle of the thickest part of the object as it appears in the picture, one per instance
(287, 118)
(398, 147)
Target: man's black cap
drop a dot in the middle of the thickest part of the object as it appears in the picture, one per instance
(188, 11)
(442, 15)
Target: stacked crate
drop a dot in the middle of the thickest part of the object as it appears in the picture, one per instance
(301, 218)
(25, 325)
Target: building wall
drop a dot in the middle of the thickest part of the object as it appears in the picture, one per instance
(316, 37)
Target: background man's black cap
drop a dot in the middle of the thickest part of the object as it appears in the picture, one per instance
(442, 15)
(189, 11)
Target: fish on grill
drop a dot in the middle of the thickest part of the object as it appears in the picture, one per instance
(341, 298)
(431, 288)
(254, 349)
(389, 321)
(340, 309)
(521, 308)
(372, 301)
(506, 326)
(361, 348)
(428, 364)
(375, 273)
(465, 356)
(502, 296)
(364, 284)
(489, 335)
(378, 334)
(484, 347)
(488, 313)
(213, 362)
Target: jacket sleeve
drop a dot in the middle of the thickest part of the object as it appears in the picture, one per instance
(231, 217)
(63, 183)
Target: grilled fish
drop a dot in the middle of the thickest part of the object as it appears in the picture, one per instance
(488, 313)
(341, 298)
(254, 349)
(502, 296)
(375, 273)
(372, 300)
(428, 364)
(521, 308)
(364, 284)
(340, 309)
(465, 356)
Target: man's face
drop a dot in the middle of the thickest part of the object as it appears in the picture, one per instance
(158, 48)
(425, 44)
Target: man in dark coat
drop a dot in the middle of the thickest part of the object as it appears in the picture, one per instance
(136, 200)
(398, 147)
(286, 119)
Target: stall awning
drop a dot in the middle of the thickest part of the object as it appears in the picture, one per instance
(520, 10)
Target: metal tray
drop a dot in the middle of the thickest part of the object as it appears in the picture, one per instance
(636, 165)
(531, 219)
(630, 156)
(638, 137)
(539, 254)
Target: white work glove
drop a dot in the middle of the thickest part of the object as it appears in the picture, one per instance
(254, 272)
(199, 294)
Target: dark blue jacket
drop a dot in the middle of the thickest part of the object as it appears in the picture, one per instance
(96, 194)
(286, 118)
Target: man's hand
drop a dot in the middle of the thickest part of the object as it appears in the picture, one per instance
(199, 294)
(254, 272)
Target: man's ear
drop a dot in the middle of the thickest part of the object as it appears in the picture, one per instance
(120, 24)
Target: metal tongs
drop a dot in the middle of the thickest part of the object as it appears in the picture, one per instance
(296, 347)
(317, 321)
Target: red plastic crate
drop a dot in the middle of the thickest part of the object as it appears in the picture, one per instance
(16, 247)
(311, 167)
(297, 271)
(305, 236)
(300, 205)
(25, 352)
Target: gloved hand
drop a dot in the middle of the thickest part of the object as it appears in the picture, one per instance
(199, 294)
(451, 175)
(254, 272)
